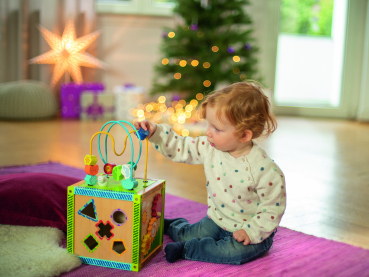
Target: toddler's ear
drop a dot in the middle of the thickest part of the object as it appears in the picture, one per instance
(246, 136)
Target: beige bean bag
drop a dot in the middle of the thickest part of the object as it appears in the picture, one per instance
(26, 100)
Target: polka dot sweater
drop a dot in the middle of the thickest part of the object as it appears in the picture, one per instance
(243, 193)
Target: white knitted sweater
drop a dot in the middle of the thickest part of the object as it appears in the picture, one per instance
(243, 193)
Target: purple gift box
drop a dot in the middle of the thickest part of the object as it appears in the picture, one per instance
(70, 97)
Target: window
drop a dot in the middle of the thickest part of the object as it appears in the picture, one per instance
(332, 85)
(310, 53)
(141, 7)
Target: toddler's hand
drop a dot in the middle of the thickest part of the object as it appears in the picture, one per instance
(146, 125)
(241, 235)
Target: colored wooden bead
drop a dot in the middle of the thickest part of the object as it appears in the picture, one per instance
(102, 181)
(92, 169)
(135, 168)
(108, 168)
(117, 173)
(129, 183)
(90, 160)
(91, 180)
(142, 133)
(126, 171)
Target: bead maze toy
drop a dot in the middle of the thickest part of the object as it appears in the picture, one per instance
(114, 219)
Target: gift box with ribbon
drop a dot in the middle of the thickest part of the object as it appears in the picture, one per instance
(95, 106)
(70, 97)
(127, 97)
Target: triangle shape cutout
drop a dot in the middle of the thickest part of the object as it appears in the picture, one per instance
(89, 211)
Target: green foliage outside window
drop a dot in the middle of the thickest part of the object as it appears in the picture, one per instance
(308, 17)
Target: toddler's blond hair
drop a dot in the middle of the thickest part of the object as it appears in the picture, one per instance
(245, 106)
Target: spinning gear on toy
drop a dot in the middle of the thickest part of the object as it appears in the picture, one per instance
(153, 228)
(157, 206)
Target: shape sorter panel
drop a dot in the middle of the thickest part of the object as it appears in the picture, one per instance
(85, 224)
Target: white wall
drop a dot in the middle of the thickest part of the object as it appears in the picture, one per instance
(129, 44)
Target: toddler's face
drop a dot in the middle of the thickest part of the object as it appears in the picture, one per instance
(220, 133)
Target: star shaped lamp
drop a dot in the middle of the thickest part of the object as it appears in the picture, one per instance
(68, 53)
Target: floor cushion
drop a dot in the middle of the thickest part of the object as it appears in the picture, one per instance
(26, 100)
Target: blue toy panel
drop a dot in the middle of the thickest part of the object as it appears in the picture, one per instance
(106, 263)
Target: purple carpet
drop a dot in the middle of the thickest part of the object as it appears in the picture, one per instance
(293, 253)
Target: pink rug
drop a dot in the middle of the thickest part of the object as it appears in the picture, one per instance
(292, 254)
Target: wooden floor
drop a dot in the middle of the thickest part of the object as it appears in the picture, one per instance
(326, 164)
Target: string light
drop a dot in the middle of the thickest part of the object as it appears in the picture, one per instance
(170, 111)
(215, 48)
(161, 99)
(185, 132)
(243, 77)
(165, 61)
(178, 107)
(236, 59)
(206, 64)
(181, 119)
(171, 34)
(207, 83)
(189, 108)
(149, 108)
(182, 63)
(236, 70)
(140, 113)
(177, 76)
(194, 103)
(178, 113)
(174, 117)
(195, 63)
(199, 96)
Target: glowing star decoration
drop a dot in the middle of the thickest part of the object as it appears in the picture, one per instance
(68, 53)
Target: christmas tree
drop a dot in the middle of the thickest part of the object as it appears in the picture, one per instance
(212, 45)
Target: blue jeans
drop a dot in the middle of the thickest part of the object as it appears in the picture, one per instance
(207, 242)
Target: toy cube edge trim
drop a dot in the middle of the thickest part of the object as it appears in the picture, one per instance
(163, 215)
(70, 219)
(126, 196)
(106, 263)
(136, 232)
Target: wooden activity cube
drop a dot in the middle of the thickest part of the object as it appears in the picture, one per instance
(114, 227)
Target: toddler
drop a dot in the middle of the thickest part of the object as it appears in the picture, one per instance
(246, 189)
